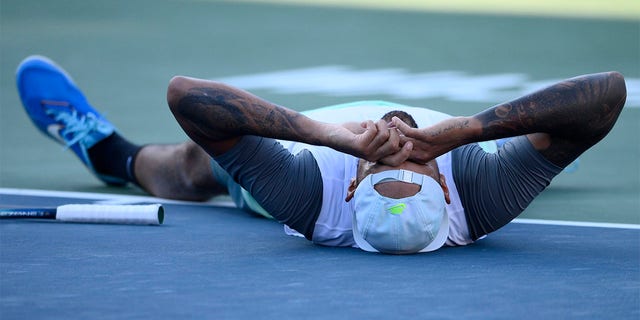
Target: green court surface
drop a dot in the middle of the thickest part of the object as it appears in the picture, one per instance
(123, 53)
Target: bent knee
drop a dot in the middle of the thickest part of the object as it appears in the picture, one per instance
(198, 176)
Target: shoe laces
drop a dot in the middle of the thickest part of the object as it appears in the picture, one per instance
(77, 126)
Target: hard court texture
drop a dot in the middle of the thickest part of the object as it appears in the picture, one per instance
(210, 261)
(217, 262)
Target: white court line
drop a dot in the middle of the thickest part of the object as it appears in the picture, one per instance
(107, 198)
(578, 223)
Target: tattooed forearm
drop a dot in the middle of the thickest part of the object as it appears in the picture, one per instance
(449, 126)
(587, 105)
(221, 113)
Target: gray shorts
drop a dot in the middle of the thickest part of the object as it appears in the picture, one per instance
(496, 187)
(285, 186)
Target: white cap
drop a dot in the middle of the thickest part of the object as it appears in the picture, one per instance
(418, 223)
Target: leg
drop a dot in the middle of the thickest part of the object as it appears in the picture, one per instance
(180, 171)
(60, 110)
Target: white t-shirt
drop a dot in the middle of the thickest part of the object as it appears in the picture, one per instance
(334, 224)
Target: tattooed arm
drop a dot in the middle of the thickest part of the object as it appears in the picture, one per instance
(216, 115)
(561, 121)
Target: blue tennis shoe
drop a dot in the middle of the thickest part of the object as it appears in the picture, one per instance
(60, 110)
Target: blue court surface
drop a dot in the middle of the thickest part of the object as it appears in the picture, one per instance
(211, 261)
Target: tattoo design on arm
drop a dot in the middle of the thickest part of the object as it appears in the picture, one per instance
(223, 113)
(574, 114)
(580, 107)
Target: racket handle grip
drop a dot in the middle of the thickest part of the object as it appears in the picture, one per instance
(121, 214)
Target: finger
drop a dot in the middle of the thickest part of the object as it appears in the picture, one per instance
(404, 128)
(394, 137)
(382, 135)
(392, 145)
(363, 142)
(404, 139)
(399, 157)
(417, 154)
(370, 131)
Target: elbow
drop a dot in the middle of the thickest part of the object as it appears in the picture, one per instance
(177, 89)
(182, 106)
(191, 102)
(183, 100)
(616, 76)
(617, 91)
(613, 98)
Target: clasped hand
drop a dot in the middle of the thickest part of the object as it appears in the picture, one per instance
(379, 142)
(393, 143)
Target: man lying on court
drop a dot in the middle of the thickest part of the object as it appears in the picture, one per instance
(386, 185)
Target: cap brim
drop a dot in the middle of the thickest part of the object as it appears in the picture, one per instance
(362, 244)
(437, 243)
(443, 234)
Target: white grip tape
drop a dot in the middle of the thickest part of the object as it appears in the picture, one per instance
(125, 214)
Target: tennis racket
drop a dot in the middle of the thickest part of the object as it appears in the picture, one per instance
(151, 214)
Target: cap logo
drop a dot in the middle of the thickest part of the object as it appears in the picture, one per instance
(397, 209)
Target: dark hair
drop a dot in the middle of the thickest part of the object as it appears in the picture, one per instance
(407, 118)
